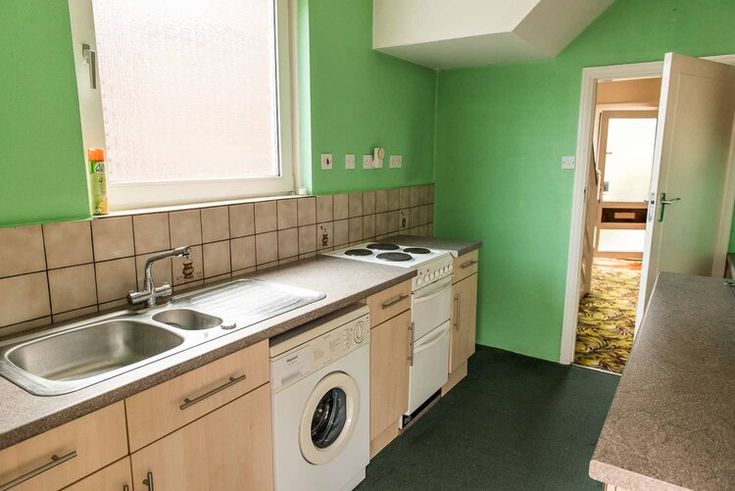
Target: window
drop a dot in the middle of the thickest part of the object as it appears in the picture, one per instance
(194, 99)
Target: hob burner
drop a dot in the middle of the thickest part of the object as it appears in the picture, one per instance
(417, 250)
(358, 252)
(383, 246)
(394, 256)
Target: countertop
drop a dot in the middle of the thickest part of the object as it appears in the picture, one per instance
(344, 282)
(672, 421)
(456, 247)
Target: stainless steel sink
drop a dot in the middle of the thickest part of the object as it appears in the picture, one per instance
(190, 320)
(70, 357)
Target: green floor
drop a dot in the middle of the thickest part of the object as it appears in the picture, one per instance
(513, 423)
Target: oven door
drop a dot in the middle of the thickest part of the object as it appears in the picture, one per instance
(430, 306)
(429, 372)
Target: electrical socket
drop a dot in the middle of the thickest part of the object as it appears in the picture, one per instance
(350, 161)
(367, 161)
(403, 219)
(395, 162)
(327, 161)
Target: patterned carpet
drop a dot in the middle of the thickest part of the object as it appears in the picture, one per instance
(607, 319)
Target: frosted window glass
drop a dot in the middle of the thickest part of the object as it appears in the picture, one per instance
(629, 158)
(188, 88)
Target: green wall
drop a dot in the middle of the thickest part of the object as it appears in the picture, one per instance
(42, 173)
(501, 131)
(359, 99)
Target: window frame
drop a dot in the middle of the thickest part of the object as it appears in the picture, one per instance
(154, 194)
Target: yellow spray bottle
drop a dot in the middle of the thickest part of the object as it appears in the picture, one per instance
(98, 181)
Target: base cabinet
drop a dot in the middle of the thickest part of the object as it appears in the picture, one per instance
(114, 477)
(229, 448)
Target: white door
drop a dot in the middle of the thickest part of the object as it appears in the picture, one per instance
(689, 216)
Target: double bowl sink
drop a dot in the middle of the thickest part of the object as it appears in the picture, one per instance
(77, 355)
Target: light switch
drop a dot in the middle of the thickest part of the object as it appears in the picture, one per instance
(568, 162)
(367, 161)
(350, 161)
(327, 161)
(396, 161)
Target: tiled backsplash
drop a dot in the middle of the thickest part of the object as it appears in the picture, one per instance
(56, 272)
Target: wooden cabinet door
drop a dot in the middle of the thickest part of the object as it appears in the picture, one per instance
(229, 448)
(114, 477)
(390, 350)
(464, 322)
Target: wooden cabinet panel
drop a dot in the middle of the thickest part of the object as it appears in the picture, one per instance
(114, 477)
(465, 265)
(162, 409)
(68, 452)
(464, 321)
(390, 350)
(229, 448)
(389, 303)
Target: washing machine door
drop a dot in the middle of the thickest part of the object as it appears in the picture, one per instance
(329, 418)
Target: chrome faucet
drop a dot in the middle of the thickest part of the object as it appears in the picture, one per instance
(151, 292)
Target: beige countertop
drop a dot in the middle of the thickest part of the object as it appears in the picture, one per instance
(672, 421)
(23, 415)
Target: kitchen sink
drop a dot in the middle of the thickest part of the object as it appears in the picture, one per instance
(190, 320)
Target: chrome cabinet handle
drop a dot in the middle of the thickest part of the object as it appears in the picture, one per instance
(390, 303)
(55, 460)
(148, 481)
(232, 381)
(90, 56)
(410, 344)
(126, 487)
(663, 202)
(457, 305)
(469, 263)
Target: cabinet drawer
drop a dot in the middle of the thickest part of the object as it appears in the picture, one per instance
(66, 454)
(465, 265)
(389, 303)
(114, 477)
(159, 410)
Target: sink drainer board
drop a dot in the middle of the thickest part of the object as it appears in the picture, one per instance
(70, 357)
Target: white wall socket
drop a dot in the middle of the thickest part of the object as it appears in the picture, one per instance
(327, 161)
(396, 161)
(403, 219)
(568, 162)
(350, 161)
(367, 161)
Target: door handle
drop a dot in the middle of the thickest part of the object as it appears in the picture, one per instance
(663, 202)
(90, 56)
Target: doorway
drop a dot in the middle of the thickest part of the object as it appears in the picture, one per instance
(626, 114)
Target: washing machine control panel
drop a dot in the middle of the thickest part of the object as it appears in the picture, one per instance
(319, 352)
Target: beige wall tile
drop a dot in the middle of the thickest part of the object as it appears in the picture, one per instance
(324, 208)
(340, 206)
(242, 220)
(431, 193)
(186, 228)
(114, 305)
(394, 199)
(68, 244)
(151, 233)
(341, 234)
(216, 258)
(112, 237)
(266, 248)
(242, 251)
(355, 205)
(215, 224)
(355, 229)
(381, 201)
(307, 255)
(72, 288)
(307, 211)
(23, 298)
(287, 213)
(282, 262)
(23, 327)
(264, 266)
(413, 217)
(430, 213)
(217, 279)
(242, 272)
(368, 226)
(115, 279)
(21, 250)
(423, 215)
(392, 221)
(325, 235)
(422, 230)
(177, 266)
(413, 196)
(75, 314)
(430, 230)
(161, 271)
(404, 198)
(265, 217)
(368, 203)
(307, 239)
(424, 194)
(288, 243)
(381, 224)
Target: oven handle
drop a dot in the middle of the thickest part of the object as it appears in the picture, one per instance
(435, 338)
(426, 294)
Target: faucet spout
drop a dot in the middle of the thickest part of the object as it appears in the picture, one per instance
(150, 292)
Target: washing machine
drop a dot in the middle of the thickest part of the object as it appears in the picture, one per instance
(320, 389)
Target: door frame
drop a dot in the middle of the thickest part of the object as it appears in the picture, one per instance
(585, 131)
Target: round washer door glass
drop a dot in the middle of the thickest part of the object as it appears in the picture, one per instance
(329, 418)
